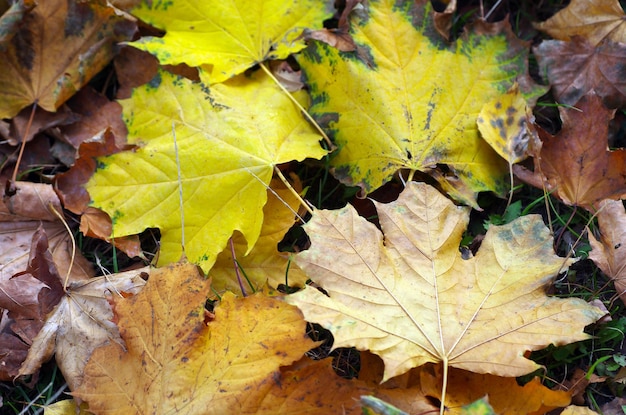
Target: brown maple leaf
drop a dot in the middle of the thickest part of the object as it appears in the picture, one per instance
(57, 47)
(578, 67)
(576, 163)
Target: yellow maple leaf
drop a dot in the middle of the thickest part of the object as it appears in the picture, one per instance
(229, 140)
(224, 38)
(174, 362)
(413, 299)
(395, 103)
(264, 264)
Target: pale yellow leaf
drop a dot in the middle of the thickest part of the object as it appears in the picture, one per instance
(410, 297)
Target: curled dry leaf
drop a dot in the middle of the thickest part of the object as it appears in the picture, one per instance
(576, 164)
(414, 300)
(609, 251)
(81, 322)
(70, 321)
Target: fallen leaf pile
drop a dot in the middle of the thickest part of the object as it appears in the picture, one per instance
(199, 127)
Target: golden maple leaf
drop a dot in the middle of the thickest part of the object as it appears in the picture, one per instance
(175, 362)
(263, 264)
(409, 297)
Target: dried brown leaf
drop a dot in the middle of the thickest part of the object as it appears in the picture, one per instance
(576, 164)
(576, 68)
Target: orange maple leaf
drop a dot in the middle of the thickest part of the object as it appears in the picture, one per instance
(175, 362)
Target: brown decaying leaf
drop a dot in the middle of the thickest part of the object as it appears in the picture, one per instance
(26, 313)
(59, 46)
(595, 20)
(576, 164)
(97, 114)
(443, 20)
(334, 37)
(32, 201)
(577, 384)
(69, 322)
(42, 121)
(70, 184)
(133, 68)
(609, 251)
(174, 362)
(575, 68)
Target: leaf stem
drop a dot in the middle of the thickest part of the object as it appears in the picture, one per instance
(444, 386)
(23, 143)
(292, 190)
(236, 265)
(300, 107)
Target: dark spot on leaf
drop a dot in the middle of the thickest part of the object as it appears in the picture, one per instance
(162, 4)
(155, 82)
(100, 165)
(409, 155)
(23, 43)
(498, 105)
(431, 109)
(78, 16)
